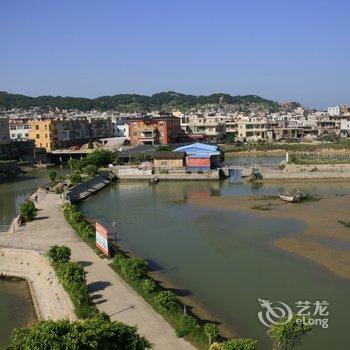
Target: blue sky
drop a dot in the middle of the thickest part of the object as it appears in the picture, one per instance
(283, 50)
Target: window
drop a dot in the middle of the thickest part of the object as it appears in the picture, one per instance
(36, 127)
(37, 136)
(45, 136)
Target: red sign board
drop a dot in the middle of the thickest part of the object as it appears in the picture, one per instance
(102, 239)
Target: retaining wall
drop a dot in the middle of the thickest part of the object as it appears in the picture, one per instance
(50, 299)
(317, 171)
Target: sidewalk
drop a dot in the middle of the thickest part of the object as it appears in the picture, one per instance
(110, 293)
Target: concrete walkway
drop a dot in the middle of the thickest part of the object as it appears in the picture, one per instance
(110, 293)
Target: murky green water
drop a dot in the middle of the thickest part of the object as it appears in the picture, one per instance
(16, 309)
(222, 259)
(15, 191)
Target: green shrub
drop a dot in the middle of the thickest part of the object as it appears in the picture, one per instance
(97, 332)
(75, 178)
(212, 332)
(59, 254)
(187, 325)
(166, 299)
(132, 268)
(235, 344)
(28, 210)
(91, 170)
(149, 286)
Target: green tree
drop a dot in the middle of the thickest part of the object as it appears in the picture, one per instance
(286, 336)
(52, 175)
(231, 137)
(74, 164)
(166, 299)
(59, 254)
(28, 210)
(91, 170)
(163, 148)
(95, 333)
(100, 157)
(75, 178)
(212, 332)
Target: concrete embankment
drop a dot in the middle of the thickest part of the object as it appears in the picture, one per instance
(133, 173)
(308, 172)
(89, 187)
(50, 300)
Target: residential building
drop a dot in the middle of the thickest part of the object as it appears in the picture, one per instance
(4, 130)
(120, 129)
(209, 126)
(154, 130)
(54, 134)
(338, 110)
(19, 129)
(252, 129)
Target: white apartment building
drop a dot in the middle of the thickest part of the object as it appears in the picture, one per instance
(252, 129)
(120, 129)
(19, 131)
(210, 126)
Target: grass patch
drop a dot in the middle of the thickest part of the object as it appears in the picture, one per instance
(344, 223)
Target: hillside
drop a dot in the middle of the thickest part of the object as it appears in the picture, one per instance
(164, 101)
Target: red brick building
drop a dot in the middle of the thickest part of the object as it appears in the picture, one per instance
(154, 130)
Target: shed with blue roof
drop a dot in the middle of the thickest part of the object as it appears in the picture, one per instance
(200, 156)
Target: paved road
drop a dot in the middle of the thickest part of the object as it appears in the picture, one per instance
(110, 293)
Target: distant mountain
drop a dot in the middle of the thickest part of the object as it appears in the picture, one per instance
(163, 101)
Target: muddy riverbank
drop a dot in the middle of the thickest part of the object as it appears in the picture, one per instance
(324, 240)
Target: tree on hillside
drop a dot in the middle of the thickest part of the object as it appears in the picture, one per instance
(92, 334)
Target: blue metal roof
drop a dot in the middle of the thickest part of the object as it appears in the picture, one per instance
(197, 148)
(204, 154)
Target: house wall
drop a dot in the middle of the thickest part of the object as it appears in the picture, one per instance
(165, 131)
(168, 163)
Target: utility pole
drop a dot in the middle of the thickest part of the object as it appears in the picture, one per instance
(114, 225)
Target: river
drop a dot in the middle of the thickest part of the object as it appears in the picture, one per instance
(16, 307)
(223, 261)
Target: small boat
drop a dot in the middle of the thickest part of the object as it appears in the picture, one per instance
(155, 180)
(293, 198)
